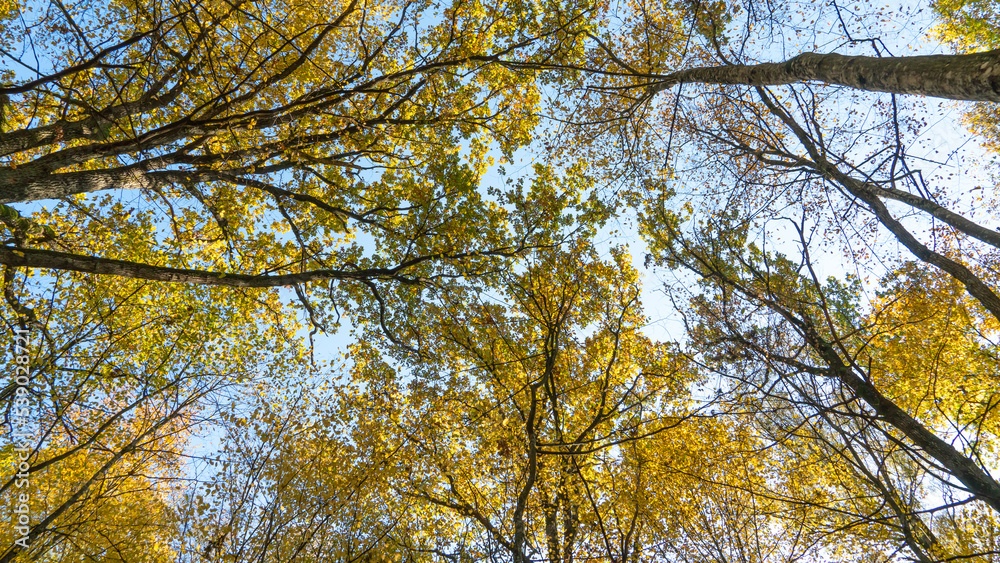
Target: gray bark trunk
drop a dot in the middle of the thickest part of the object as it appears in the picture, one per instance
(971, 77)
(16, 187)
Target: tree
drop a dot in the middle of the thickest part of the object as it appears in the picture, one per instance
(247, 144)
(969, 77)
(763, 173)
(123, 377)
(502, 400)
(508, 432)
(850, 390)
(241, 145)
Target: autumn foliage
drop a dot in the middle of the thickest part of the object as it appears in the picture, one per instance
(376, 281)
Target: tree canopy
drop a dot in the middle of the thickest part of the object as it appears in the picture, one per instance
(482, 200)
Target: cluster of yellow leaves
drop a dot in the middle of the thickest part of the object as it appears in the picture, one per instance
(971, 25)
(933, 350)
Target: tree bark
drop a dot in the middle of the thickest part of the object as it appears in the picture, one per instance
(970, 77)
(976, 480)
(871, 196)
(52, 260)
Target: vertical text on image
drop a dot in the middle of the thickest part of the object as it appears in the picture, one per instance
(21, 422)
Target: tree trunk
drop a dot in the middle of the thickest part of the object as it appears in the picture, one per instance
(976, 480)
(53, 260)
(971, 77)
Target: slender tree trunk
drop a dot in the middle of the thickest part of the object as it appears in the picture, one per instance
(53, 260)
(551, 511)
(975, 478)
(971, 77)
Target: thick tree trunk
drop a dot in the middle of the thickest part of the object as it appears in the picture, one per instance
(971, 77)
(18, 186)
